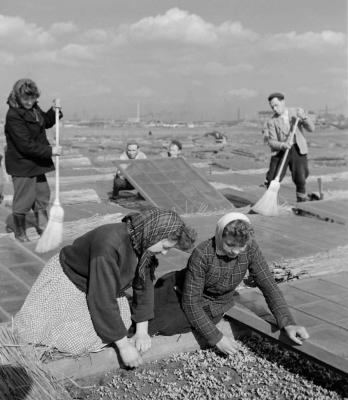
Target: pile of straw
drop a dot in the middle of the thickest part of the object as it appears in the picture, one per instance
(22, 375)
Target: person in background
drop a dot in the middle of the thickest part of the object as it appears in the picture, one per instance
(196, 297)
(28, 156)
(78, 303)
(276, 134)
(174, 149)
(131, 152)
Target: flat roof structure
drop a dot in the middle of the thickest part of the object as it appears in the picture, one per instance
(320, 304)
(172, 183)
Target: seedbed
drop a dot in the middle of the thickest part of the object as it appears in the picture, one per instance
(259, 370)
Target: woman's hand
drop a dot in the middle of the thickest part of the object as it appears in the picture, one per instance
(141, 338)
(227, 345)
(56, 103)
(142, 342)
(129, 354)
(297, 333)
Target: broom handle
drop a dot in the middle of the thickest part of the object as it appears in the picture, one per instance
(287, 150)
(57, 109)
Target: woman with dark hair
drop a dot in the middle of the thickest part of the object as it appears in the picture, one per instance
(78, 302)
(28, 154)
(197, 297)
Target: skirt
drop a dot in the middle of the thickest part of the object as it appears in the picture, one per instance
(55, 314)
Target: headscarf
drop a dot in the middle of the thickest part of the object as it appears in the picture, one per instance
(145, 230)
(221, 224)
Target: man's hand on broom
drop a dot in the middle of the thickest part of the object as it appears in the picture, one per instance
(286, 145)
(300, 112)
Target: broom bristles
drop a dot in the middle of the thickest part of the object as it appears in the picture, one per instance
(268, 203)
(52, 236)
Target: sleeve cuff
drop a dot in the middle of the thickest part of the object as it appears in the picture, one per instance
(216, 339)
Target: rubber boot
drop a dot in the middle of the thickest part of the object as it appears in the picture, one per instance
(41, 219)
(19, 225)
(300, 199)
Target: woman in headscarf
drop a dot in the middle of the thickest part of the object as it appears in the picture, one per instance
(28, 155)
(78, 302)
(197, 297)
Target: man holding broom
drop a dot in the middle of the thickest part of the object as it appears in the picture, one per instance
(277, 135)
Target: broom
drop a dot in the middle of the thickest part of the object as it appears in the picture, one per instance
(268, 204)
(52, 236)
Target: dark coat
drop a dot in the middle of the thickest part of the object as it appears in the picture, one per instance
(102, 263)
(28, 151)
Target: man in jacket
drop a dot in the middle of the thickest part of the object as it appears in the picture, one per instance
(276, 134)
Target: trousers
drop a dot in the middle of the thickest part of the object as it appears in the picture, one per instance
(298, 165)
(30, 193)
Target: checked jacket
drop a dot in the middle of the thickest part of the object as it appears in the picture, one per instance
(210, 282)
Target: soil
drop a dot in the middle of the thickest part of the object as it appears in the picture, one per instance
(258, 370)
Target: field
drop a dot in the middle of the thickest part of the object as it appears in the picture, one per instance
(259, 369)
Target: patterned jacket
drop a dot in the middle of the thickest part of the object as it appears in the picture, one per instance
(276, 131)
(211, 280)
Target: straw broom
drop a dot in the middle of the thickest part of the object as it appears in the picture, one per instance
(268, 204)
(52, 236)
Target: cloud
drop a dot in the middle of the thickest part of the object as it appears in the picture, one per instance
(76, 51)
(71, 55)
(174, 25)
(236, 30)
(15, 31)
(98, 36)
(178, 25)
(243, 93)
(314, 41)
(63, 28)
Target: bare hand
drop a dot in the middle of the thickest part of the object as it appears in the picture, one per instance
(56, 103)
(56, 150)
(227, 345)
(300, 113)
(130, 355)
(286, 145)
(297, 333)
(142, 342)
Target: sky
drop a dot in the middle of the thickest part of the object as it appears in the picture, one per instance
(179, 60)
